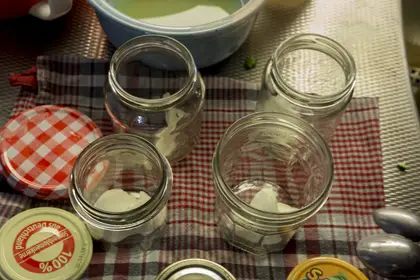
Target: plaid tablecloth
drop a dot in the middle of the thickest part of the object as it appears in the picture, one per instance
(358, 186)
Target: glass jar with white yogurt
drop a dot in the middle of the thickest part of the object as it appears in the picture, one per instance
(272, 172)
(120, 186)
(154, 90)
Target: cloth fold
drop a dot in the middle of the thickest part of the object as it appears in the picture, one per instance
(26, 79)
(77, 82)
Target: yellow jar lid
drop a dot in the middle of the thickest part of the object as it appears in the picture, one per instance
(325, 268)
(44, 243)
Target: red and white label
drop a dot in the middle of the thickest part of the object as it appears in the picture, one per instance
(43, 247)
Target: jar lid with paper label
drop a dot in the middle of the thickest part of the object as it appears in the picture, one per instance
(44, 243)
(325, 268)
(39, 147)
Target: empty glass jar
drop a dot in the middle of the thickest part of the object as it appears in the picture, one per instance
(272, 172)
(120, 186)
(155, 91)
(309, 76)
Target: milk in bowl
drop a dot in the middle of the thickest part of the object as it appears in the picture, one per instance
(179, 13)
(212, 30)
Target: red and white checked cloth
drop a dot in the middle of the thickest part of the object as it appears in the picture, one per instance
(358, 186)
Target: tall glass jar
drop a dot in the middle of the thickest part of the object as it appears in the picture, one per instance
(272, 172)
(120, 186)
(155, 91)
(312, 77)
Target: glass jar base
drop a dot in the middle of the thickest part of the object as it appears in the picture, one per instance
(139, 241)
(258, 253)
(118, 249)
(250, 241)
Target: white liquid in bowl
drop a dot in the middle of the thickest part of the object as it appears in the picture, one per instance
(180, 13)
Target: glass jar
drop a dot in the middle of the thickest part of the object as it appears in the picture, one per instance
(155, 91)
(272, 172)
(120, 186)
(312, 77)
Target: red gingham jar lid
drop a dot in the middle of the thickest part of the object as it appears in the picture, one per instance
(39, 147)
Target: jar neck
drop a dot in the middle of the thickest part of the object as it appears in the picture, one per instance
(244, 209)
(306, 100)
(144, 44)
(96, 152)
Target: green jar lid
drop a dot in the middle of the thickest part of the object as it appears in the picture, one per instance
(44, 243)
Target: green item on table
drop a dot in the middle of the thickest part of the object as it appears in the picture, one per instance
(402, 166)
(250, 62)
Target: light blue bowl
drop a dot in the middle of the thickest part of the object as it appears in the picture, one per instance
(209, 43)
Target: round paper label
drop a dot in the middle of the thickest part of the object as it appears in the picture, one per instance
(43, 247)
(323, 268)
(44, 243)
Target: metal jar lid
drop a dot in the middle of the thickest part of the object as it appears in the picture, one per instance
(44, 243)
(39, 146)
(192, 269)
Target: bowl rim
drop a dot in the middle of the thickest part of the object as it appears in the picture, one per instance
(250, 8)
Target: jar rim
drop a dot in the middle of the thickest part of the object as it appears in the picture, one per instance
(143, 44)
(317, 41)
(132, 217)
(274, 119)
